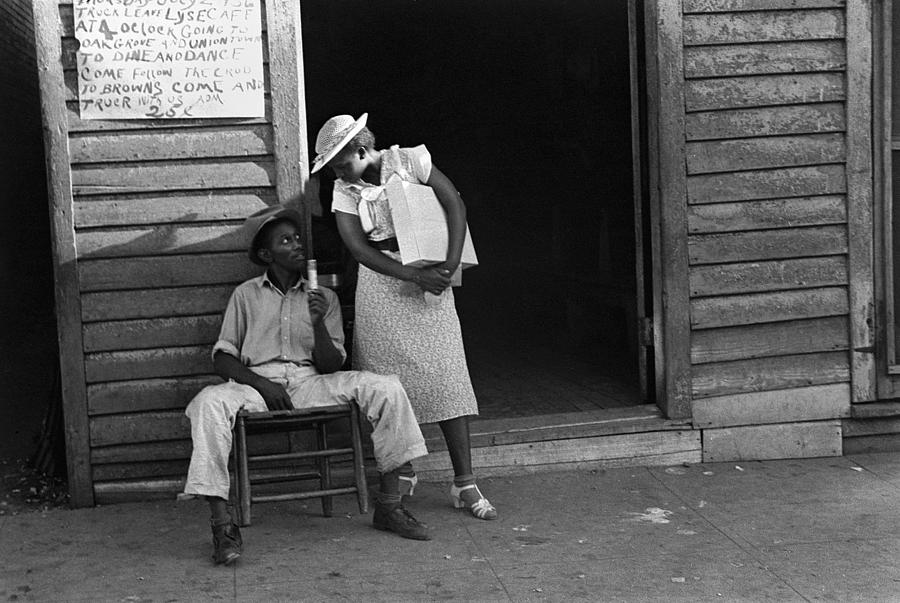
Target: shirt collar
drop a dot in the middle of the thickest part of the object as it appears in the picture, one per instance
(263, 281)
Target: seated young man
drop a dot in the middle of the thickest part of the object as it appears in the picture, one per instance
(281, 347)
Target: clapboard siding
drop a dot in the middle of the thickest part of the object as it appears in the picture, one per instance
(152, 303)
(773, 339)
(145, 394)
(106, 178)
(763, 90)
(762, 374)
(769, 214)
(148, 364)
(162, 239)
(767, 244)
(767, 184)
(128, 210)
(754, 308)
(757, 153)
(139, 427)
(151, 333)
(164, 144)
(723, 6)
(758, 59)
(763, 26)
(766, 121)
(165, 271)
(757, 277)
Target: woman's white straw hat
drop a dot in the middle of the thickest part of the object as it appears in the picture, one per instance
(334, 136)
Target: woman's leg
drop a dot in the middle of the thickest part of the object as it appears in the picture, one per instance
(456, 434)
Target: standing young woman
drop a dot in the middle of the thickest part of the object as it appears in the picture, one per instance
(398, 329)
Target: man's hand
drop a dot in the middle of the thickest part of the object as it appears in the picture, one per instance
(318, 305)
(275, 395)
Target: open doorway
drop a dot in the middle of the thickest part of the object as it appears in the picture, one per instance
(526, 106)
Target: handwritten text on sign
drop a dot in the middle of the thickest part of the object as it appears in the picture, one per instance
(169, 58)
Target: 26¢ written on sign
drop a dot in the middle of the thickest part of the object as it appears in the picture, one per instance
(158, 59)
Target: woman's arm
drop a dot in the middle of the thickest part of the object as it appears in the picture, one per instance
(455, 209)
(429, 279)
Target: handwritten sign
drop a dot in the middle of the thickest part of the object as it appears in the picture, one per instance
(153, 59)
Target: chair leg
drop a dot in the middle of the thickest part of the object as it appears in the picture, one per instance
(324, 468)
(359, 468)
(242, 481)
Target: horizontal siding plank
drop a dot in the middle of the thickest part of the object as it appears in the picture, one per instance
(889, 442)
(147, 364)
(780, 406)
(147, 451)
(119, 471)
(766, 121)
(762, 374)
(101, 178)
(145, 394)
(723, 6)
(763, 90)
(856, 427)
(772, 213)
(154, 303)
(171, 271)
(757, 277)
(144, 427)
(157, 145)
(179, 208)
(151, 333)
(76, 124)
(759, 59)
(162, 239)
(772, 339)
(705, 157)
(767, 244)
(767, 184)
(764, 442)
(763, 26)
(756, 308)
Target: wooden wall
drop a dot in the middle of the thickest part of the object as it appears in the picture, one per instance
(148, 254)
(777, 203)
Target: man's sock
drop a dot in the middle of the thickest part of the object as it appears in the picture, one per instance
(218, 508)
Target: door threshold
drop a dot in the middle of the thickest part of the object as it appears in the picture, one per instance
(617, 437)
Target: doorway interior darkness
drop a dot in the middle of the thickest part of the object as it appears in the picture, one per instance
(525, 105)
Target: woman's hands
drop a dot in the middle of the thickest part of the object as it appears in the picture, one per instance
(433, 279)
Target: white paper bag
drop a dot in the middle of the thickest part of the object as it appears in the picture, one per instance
(420, 225)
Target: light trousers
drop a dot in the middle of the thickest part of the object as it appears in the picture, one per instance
(396, 436)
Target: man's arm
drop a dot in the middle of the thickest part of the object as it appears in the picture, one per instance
(326, 355)
(229, 367)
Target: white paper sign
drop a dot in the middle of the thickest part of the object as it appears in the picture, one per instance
(155, 59)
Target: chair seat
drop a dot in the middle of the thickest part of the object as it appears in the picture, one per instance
(278, 421)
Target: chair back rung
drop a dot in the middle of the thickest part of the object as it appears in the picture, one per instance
(296, 456)
(302, 495)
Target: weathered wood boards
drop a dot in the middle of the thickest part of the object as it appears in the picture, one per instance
(781, 441)
(768, 209)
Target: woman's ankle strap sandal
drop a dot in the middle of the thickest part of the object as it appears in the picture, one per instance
(480, 507)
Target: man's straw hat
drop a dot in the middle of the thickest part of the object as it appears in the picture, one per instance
(334, 135)
(254, 224)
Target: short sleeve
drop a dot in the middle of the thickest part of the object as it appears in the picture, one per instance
(421, 162)
(234, 325)
(343, 201)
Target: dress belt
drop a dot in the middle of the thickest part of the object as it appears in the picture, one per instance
(386, 244)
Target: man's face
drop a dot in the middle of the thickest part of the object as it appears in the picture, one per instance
(284, 247)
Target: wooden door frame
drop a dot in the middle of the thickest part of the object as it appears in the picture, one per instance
(663, 30)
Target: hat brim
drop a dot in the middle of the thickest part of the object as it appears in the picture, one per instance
(286, 213)
(322, 160)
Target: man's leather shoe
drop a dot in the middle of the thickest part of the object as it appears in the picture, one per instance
(227, 543)
(394, 518)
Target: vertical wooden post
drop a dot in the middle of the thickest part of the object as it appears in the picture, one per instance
(859, 200)
(289, 105)
(65, 267)
(663, 25)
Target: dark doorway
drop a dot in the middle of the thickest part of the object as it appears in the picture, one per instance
(525, 105)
